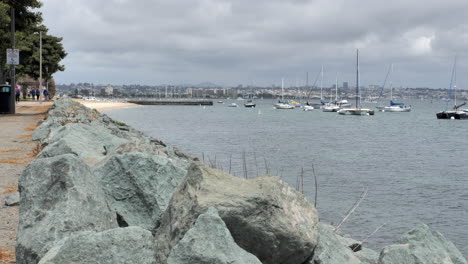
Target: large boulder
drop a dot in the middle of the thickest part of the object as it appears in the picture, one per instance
(331, 250)
(92, 143)
(209, 242)
(59, 196)
(114, 246)
(265, 216)
(421, 246)
(139, 186)
(367, 256)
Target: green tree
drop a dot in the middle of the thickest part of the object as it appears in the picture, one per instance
(52, 53)
(28, 23)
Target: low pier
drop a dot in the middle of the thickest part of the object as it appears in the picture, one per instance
(172, 102)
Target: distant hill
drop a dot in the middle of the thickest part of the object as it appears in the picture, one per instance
(201, 85)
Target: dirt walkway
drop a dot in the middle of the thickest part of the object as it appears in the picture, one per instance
(16, 151)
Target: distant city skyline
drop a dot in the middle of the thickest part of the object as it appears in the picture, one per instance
(242, 42)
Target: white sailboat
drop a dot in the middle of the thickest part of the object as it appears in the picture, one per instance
(333, 107)
(281, 104)
(393, 107)
(358, 110)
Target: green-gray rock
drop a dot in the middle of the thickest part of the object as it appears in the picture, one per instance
(422, 246)
(209, 242)
(265, 216)
(399, 254)
(59, 196)
(92, 143)
(114, 246)
(367, 256)
(139, 186)
(331, 250)
(12, 199)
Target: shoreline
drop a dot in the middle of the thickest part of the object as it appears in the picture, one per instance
(101, 169)
(105, 105)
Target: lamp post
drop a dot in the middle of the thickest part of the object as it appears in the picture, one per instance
(12, 66)
(40, 67)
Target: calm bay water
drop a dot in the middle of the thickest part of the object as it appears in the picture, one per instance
(413, 164)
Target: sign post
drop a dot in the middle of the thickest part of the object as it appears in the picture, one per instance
(13, 56)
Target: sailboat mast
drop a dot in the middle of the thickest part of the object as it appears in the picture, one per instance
(336, 88)
(358, 90)
(455, 83)
(321, 84)
(282, 89)
(391, 83)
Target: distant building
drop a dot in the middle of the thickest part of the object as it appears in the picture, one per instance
(189, 92)
(345, 85)
(109, 90)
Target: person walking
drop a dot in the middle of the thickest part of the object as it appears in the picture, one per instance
(33, 93)
(17, 93)
(38, 94)
(46, 95)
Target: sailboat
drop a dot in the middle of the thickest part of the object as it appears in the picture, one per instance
(358, 110)
(250, 103)
(393, 107)
(333, 107)
(455, 113)
(281, 104)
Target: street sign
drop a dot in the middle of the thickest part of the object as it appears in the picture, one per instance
(13, 56)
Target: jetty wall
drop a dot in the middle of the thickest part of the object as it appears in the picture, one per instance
(102, 192)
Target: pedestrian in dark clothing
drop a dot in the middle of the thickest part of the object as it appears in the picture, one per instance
(38, 94)
(46, 95)
(17, 93)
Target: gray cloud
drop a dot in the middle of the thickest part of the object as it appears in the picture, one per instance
(232, 42)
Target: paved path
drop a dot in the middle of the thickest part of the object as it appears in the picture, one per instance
(16, 151)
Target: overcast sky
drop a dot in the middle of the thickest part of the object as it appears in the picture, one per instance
(232, 42)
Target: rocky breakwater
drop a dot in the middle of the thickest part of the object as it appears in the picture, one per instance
(102, 192)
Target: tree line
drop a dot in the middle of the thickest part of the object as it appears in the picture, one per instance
(28, 24)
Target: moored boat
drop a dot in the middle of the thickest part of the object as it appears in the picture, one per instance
(250, 104)
(358, 110)
(454, 113)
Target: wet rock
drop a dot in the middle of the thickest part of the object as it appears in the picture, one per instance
(420, 246)
(12, 199)
(209, 241)
(139, 186)
(264, 215)
(114, 246)
(59, 197)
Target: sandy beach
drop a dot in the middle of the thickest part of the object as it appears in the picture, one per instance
(105, 105)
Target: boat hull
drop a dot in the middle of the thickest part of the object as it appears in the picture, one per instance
(308, 108)
(284, 106)
(356, 112)
(395, 109)
(249, 105)
(452, 115)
